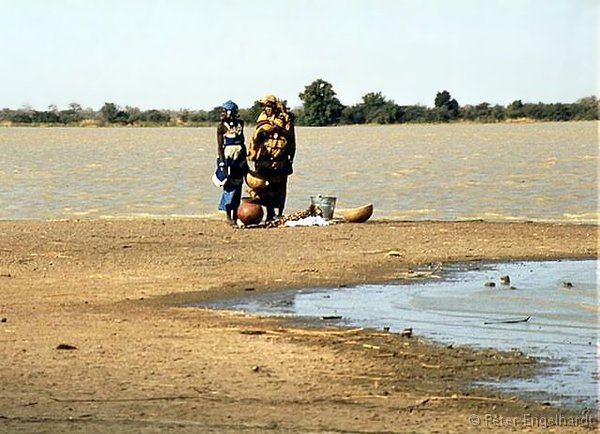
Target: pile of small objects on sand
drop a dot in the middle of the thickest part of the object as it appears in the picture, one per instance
(311, 211)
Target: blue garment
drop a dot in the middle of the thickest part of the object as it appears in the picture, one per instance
(234, 170)
(231, 197)
(219, 177)
(233, 132)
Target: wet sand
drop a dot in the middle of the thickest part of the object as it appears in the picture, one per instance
(111, 291)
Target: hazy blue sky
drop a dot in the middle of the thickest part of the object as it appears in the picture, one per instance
(172, 54)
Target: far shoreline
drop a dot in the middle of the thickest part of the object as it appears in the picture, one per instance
(86, 125)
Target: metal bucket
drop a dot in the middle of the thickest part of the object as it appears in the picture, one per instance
(326, 204)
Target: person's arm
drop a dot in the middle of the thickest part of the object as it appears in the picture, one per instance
(242, 127)
(220, 143)
(291, 145)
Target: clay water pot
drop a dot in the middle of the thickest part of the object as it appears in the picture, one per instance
(250, 213)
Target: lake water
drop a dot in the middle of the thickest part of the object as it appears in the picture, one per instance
(559, 297)
(540, 171)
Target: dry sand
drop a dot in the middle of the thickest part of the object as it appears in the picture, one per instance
(141, 363)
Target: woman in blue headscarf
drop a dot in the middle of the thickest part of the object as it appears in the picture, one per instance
(231, 162)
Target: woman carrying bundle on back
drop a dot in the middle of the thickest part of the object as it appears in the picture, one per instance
(272, 151)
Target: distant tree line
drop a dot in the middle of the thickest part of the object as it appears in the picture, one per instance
(109, 114)
(320, 107)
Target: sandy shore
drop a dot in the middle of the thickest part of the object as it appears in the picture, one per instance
(138, 362)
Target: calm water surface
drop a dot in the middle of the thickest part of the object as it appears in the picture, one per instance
(559, 297)
(545, 171)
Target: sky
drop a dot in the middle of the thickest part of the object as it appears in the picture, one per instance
(196, 54)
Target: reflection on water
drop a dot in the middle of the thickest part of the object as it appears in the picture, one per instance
(559, 297)
(545, 171)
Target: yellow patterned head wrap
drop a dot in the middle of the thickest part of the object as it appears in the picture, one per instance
(268, 100)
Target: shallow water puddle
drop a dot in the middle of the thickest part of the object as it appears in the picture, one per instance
(548, 309)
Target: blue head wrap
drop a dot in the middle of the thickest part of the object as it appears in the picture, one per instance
(230, 106)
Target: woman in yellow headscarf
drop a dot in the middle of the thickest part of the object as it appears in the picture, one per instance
(272, 151)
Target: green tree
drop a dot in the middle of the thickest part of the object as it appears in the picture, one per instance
(442, 99)
(134, 113)
(447, 108)
(353, 115)
(586, 109)
(250, 115)
(47, 117)
(108, 112)
(415, 114)
(321, 106)
(483, 111)
(534, 110)
(111, 113)
(69, 116)
(183, 115)
(214, 115)
(155, 116)
(515, 110)
(21, 117)
(199, 116)
(498, 113)
(377, 109)
(76, 107)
